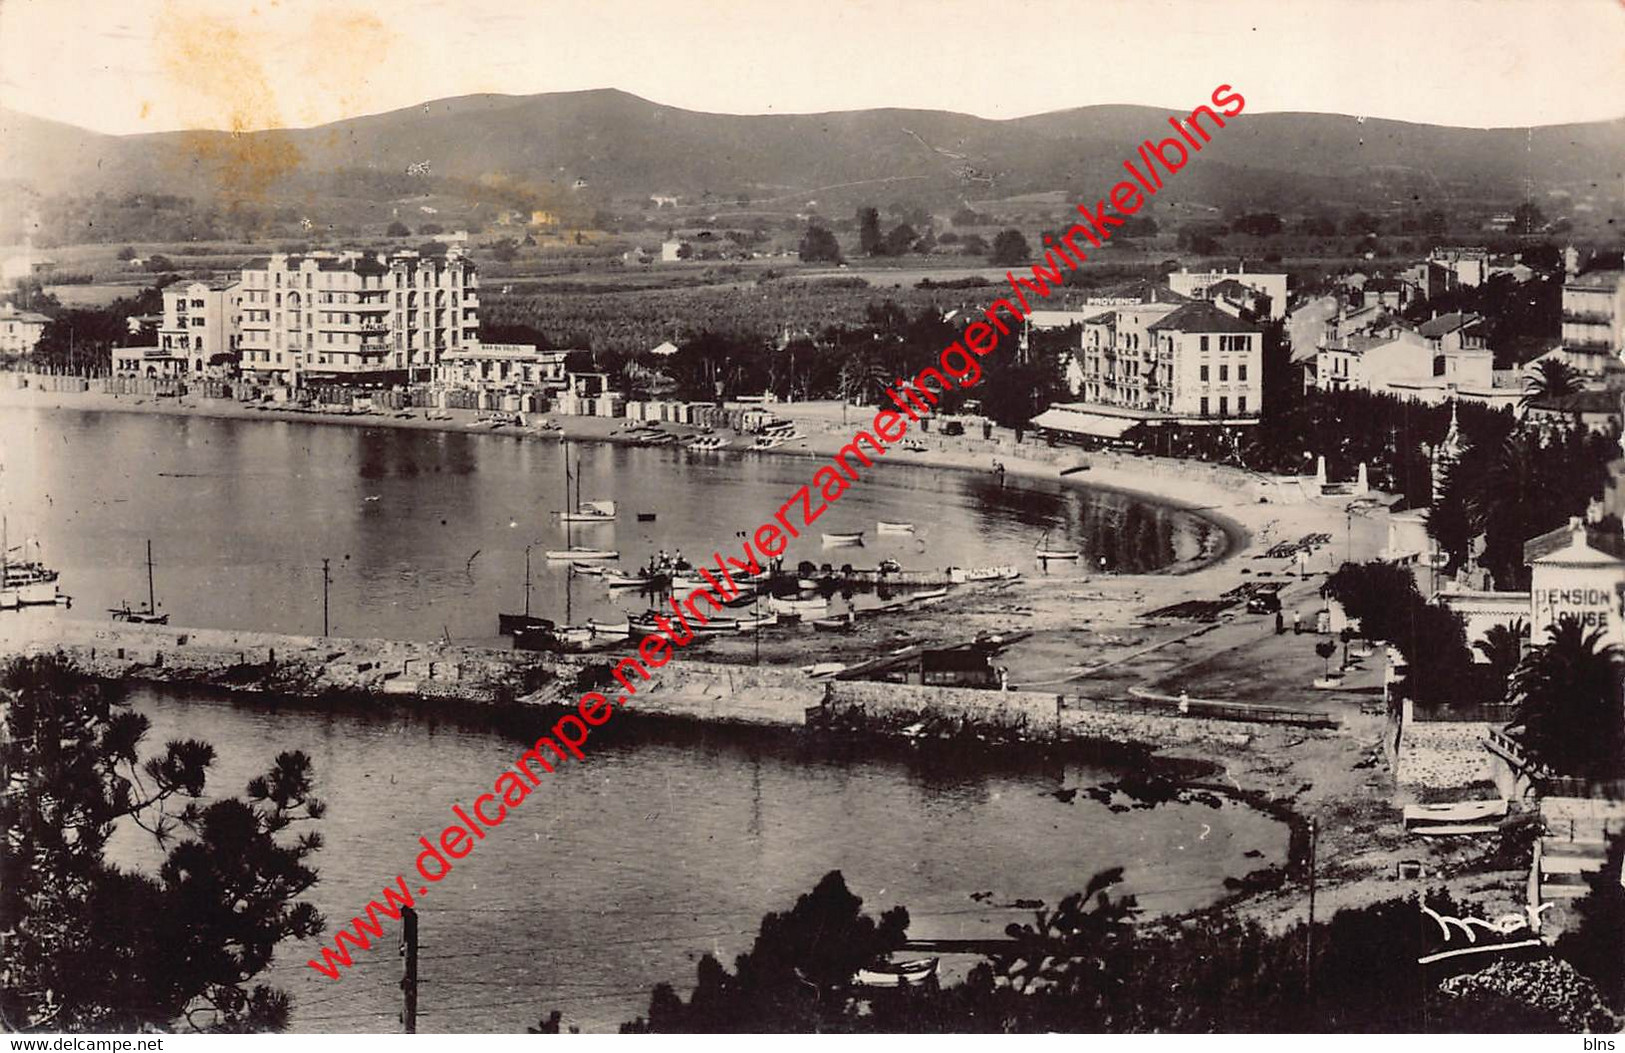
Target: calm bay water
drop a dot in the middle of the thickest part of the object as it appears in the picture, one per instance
(620, 873)
(629, 868)
(426, 531)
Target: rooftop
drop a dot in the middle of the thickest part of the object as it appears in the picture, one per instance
(1579, 402)
(1607, 279)
(1575, 544)
(1448, 323)
(1202, 318)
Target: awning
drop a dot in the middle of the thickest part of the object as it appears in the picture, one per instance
(1082, 422)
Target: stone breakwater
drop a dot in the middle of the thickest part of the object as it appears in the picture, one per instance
(391, 672)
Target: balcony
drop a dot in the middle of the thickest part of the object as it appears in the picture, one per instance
(1588, 317)
(372, 328)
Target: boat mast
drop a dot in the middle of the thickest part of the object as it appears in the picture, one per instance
(569, 543)
(527, 583)
(152, 598)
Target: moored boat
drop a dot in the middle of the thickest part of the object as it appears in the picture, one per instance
(883, 527)
(588, 568)
(708, 442)
(839, 624)
(590, 512)
(601, 628)
(25, 582)
(617, 580)
(513, 624)
(797, 607)
(1054, 553)
(999, 573)
(852, 538)
(897, 974)
(582, 553)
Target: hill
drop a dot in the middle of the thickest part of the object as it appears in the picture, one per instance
(598, 146)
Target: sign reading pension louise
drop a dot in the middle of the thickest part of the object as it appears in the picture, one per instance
(1580, 582)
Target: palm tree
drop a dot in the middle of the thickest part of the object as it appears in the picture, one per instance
(1550, 378)
(1569, 713)
(1502, 648)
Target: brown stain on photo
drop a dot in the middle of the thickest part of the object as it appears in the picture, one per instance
(217, 82)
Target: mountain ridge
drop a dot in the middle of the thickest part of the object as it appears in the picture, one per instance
(617, 145)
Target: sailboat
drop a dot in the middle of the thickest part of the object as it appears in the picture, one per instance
(570, 552)
(147, 615)
(513, 624)
(590, 511)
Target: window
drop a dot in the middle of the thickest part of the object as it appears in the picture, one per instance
(1438, 365)
(1241, 404)
(1224, 374)
(1204, 342)
(1241, 372)
(1224, 406)
(1204, 374)
(1204, 405)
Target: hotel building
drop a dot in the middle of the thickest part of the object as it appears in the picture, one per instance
(1154, 364)
(199, 322)
(356, 318)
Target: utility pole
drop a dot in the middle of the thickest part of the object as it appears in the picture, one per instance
(1309, 937)
(409, 978)
(326, 578)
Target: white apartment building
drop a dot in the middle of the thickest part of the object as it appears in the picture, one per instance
(1160, 360)
(1210, 364)
(199, 322)
(20, 330)
(1594, 312)
(1197, 286)
(356, 318)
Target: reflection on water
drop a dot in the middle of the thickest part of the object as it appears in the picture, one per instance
(426, 530)
(620, 873)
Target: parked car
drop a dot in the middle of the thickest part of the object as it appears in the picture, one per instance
(1264, 603)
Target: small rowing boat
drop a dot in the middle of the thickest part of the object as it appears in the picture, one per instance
(582, 553)
(854, 538)
(883, 527)
(928, 594)
(897, 974)
(646, 517)
(797, 607)
(1000, 573)
(588, 568)
(766, 621)
(622, 628)
(617, 580)
(708, 442)
(1053, 553)
(839, 624)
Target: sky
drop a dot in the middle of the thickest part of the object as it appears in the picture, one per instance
(157, 65)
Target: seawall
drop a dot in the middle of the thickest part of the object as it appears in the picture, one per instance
(389, 673)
